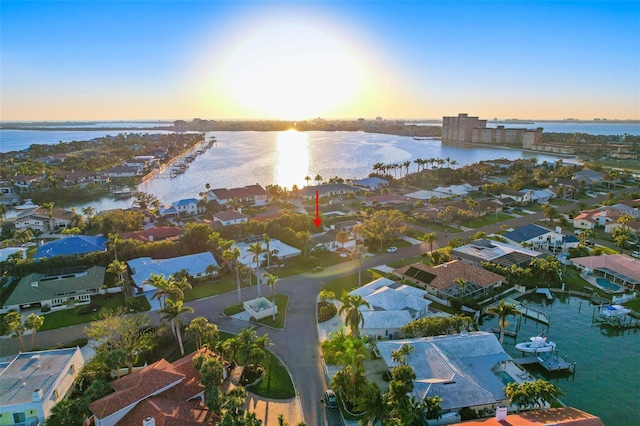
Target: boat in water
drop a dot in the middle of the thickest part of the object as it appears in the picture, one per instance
(536, 344)
(612, 312)
(28, 204)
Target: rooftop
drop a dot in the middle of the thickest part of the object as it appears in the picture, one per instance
(30, 371)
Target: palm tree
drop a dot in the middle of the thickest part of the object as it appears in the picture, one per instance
(49, 207)
(374, 404)
(432, 407)
(255, 250)
(462, 284)
(342, 237)
(267, 240)
(172, 311)
(503, 310)
(33, 323)
(430, 238)
(318, 179)
(357, 254)
(113, 241)
(305, 237)
(271, 283)
(119, 268)
(23, 235)
(307, 178)
(230, 257)
(161, 285)
(13, 325)
(326, 295)
(400, 355)
(353, 317)
(177, 287)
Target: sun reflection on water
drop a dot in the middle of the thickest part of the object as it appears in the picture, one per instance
(293, 158)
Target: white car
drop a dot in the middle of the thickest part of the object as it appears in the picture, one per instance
(392, 249)
(636, 254)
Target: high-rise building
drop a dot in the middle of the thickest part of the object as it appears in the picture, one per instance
(473, 130)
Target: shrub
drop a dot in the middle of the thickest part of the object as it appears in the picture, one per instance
(326, 311)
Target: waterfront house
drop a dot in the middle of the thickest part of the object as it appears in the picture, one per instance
(56, 289)
(82, 178)
(71, 245)
(466, 370)
(391, 306)
(122, 171)
(196, 265)
(187, 206)
(325, 190)
(230, 217)
(250, 195)
(38, 219)
(441, 280)
(25, 183)
(33, 382)
(619, 268)
(502, 254)
(371, 183)
(162, 393)
(563, 416)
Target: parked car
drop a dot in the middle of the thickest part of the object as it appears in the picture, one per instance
(636, 254)
(317, 269)
(392, 249)
(330, 400)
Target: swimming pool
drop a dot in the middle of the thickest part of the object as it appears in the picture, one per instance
(504, 377)
(607, 285)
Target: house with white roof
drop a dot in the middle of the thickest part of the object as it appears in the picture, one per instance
(277, 248)
(250, 194)
(485, 250)
(197, 266)
(33, 382)
(392, 305)
(536, 237)
(466, 370)
(541, 196)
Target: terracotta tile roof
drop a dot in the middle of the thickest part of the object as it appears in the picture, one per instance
(170, 412)
(567, 416)
(248, 191)
(180, 380)
(444, 276)
(229, 215)
(136, 387)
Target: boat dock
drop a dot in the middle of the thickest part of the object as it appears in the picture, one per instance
(539, 316)
(549, 361)
(546, 292)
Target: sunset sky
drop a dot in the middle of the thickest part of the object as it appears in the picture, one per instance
(332, 59)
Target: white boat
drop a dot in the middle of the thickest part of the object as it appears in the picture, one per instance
(536, 344)
(28, 204)
(614, 311)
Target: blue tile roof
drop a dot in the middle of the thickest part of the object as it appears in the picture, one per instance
(526, 233)
(72, 245)
(185, 202)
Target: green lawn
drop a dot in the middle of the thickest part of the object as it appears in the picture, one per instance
(67, 317)
(281, 302)
(561, 202)
(276, 382)
(488, 219)
(210, 287)
(347, 283)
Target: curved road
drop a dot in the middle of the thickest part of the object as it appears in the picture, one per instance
(297, 345)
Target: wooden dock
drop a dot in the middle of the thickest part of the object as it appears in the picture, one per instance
(539, 316)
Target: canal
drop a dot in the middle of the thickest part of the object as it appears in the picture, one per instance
(607, 378)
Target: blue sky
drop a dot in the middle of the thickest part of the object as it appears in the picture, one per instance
(333, 59)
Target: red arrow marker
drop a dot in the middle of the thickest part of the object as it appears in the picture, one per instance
(317, 220)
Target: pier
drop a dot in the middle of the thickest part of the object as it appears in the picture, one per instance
(549, 361)
(546, 292)
(539, 316)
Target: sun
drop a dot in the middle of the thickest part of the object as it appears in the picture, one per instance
(289, 70)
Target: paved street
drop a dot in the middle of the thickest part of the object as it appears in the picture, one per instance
(297, 345)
